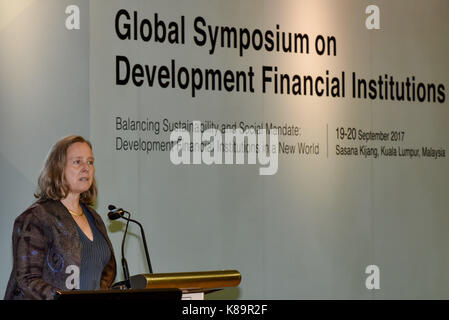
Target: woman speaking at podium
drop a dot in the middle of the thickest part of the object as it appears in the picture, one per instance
(60, 242)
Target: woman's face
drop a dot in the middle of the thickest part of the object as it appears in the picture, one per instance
(79, 168)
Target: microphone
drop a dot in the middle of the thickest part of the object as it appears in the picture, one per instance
(116, 213)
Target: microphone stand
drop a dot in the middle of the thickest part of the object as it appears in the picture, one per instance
(142, 232)
(124, 262)
(119, 213)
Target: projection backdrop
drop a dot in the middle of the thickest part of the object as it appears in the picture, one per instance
(359, 96)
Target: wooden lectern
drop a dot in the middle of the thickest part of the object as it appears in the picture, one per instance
(163, 286)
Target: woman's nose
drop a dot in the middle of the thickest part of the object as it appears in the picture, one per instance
(85, 167)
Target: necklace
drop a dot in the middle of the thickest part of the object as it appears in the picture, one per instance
(76, 214)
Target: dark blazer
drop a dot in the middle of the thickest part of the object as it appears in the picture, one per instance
(47, 252)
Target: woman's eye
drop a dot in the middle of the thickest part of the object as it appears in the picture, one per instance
(76, 161)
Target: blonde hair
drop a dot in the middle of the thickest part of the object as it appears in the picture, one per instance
(51, 183)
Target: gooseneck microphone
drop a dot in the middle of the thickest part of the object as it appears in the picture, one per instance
(116, 213)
